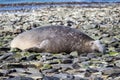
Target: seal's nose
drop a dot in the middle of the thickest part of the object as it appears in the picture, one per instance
(102, 49)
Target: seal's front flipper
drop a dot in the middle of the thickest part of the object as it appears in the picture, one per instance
(45, 45)
(34, 49)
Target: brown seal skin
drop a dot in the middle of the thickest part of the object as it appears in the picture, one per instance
(56, 39)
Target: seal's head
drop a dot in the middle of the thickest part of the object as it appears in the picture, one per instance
(97, 46)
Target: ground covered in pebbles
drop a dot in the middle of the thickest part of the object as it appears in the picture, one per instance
(101, 23)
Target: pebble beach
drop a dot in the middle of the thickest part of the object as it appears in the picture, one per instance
(99, 22)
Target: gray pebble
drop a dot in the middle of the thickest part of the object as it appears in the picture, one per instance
(64, 76)
(58, 66)
(50, 78)
(92, 70)
(82, 59)
(109, 71)
(20, 78)
(67, 61)
(50, 71)
(117, 63)
(75, 66)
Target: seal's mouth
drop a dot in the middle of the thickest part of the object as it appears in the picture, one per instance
(97, 51)
(99, 47)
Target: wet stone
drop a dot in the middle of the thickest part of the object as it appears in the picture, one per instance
(55, 61)
(70, 23)
(117, 63)
(50, 71)
(91, 55)
(117, 78)
(105, 35)
(82, 59)
(114, 75)
(75, 66)
(45, 54)
(109, 71)
(20, 78)
(87, 74)
(74, 54)
(64, 76)
(98, 78)
(118, 49)
(23, 59)
(79, 78)
(1, 74)
(20, 70)
(58, 66)
(46, 58)
(50, 78)
(67, 61)
(92, 70)
(109, 58)
(35, 76)
(32, 57)
(5, 56)
(11, 71)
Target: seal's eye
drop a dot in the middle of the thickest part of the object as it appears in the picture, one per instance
(91, 43)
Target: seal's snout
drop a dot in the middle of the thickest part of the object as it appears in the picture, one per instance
(98, 47)
(102, 49)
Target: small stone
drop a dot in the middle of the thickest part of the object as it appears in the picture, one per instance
(109, 71)
(98, 78)
(20, 78)
(50, 71)
(64, 76)
(113, 75)
(87, 74)
(50, 78)
(70, 23)
(67, 61)
(117, 49)
(46, 66)
(80, 77)
(11, 71)
(83, 59)
(105, 35)
(1, 74)
(89, 26)
(58, 66)
(45, 54)
(91, 55)
(76, 60)
(5, 56)
(117, 78)
(114, 40)
(74, 54)
(117, 63)
(92, 70)
(35, 76)
(32, 57)
(20, 70)
(75, 66)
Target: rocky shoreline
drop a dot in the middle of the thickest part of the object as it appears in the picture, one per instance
(37, 5)
(101, 23)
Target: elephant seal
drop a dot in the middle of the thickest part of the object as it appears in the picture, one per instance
(56, 39)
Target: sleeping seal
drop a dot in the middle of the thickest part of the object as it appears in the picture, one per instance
(56, 39)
